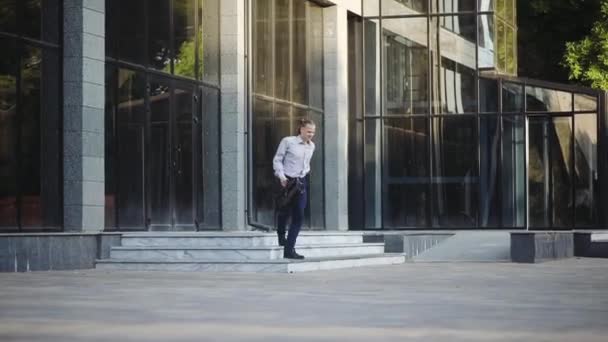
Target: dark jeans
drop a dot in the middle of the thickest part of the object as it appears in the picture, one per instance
(296, 211)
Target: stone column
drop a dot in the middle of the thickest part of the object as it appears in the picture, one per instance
(335, 47)
(233, 116)
(83, 114)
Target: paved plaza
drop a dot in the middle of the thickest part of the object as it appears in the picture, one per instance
(555, 301)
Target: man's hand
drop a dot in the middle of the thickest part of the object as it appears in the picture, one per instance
(284, 182)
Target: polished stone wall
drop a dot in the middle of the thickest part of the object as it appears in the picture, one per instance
(58, 251)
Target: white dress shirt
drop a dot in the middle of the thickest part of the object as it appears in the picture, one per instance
(293, 158)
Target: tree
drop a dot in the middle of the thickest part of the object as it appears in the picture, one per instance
(544, 27)
(587, 59)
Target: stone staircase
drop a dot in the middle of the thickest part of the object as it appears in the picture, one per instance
(243, 252)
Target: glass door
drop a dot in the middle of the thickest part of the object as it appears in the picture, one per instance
(171, 156)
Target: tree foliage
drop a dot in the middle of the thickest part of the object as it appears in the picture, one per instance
(544, 27)
(587, 59)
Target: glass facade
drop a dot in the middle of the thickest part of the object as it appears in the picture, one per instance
(437, 145)
(162, 115)
(287, 84)
(30, 116)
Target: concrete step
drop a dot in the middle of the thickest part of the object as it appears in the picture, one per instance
(245, 239)
(277, 266)
(143, 253)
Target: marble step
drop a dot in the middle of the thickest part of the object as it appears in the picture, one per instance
(277, 266)
(245, 239)
(239, 253)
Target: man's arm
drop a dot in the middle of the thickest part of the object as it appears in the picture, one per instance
(277, 161)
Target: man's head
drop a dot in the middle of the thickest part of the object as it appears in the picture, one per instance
(306, 129)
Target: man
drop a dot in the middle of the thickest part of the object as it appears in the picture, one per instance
(291, 163)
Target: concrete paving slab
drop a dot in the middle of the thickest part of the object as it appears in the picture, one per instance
(564, 300)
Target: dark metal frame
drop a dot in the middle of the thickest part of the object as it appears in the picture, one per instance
(20, 40)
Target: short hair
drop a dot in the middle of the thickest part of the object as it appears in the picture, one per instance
(303, 123)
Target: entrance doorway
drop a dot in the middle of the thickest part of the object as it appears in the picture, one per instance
(173, 156)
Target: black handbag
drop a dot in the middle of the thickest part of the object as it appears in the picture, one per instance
(287, 194)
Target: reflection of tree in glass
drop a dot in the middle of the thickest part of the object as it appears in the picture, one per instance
(185, 59)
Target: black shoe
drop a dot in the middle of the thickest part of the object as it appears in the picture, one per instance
(292, 255)
(282, 240)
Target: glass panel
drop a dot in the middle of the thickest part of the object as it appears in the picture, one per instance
(489, 197)
(282, 57)
(500, 48)
(406, 66)
(550, 172)
(586, 168)
(130, 158)
(562, 173)
(184, 154)
(8, 16)
(262, 40)
(316, 199)
(159, 154)
(112, 23)
(184, 38)
(511, 50)
(356, 184)
(486, 48)
(110, 146)
(159, 32)
(510, 10)
(488, 95)
(457, 88)
(372, 67)
(512, 98)
(132, 45)
(209, 45)
(500, 8)
(299, 55)
(457, 93)
(316, 56)
(209, 200)
(486, 5)
(406, 173)
(39, 153)
(513, 171)
(585, 102)
(454, 29)
(455, 178)
(263, 148)
(548, 100)
(453, 6)
(404, 7)
(371, 8)
(8, 134)
(373, 175)
(41, 19)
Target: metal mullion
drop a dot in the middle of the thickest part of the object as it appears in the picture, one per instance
(114, 171)
(477, 110)
(172, 35)
(429, 121)
(363, 115)
(382, 65)
(250, 27)
(573, 162)
(197, 37)
(17, 128)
